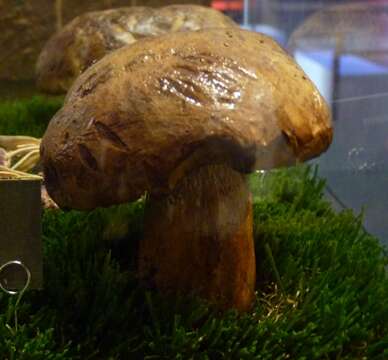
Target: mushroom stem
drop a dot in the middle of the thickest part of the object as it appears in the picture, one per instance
(199, 239)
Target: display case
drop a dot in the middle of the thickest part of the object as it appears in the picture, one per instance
(193, 179)
(342, 47)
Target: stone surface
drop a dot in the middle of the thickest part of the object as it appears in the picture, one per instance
(25, 26)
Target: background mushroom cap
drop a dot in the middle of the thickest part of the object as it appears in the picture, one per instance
(150, 113)
(359, 28)
(92, 35)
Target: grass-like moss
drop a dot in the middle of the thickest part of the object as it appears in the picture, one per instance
(27, 116)
(322, 286)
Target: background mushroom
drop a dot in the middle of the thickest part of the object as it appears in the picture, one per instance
(355, 28)
(185, 124)
(92, 35)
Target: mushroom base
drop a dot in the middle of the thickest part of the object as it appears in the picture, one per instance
(199, 239)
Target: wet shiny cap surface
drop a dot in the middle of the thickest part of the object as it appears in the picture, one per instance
(148, 114)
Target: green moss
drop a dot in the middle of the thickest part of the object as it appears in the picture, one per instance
(27, 117)
(321, 290)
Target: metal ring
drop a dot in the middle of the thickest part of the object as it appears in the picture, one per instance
(24, 267)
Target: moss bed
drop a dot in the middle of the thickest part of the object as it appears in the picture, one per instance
(322, 286)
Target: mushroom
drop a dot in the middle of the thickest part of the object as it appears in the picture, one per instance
(92, 35)
(355, 28)
(185, 117)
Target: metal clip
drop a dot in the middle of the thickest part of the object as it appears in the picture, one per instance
(3, 284)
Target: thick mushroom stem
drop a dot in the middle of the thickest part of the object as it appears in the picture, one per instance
(199, 239)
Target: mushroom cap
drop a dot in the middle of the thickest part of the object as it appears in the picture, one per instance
(148, 114)
(92, 35)
(359, 28)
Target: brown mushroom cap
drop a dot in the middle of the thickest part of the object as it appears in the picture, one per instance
(92, 35)
(147, 114)
(359, 29)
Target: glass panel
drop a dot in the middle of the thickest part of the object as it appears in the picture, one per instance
(342, 46)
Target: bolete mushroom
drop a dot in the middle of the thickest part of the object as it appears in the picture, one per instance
(184, 117)
(354, 28)
(92, 35)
